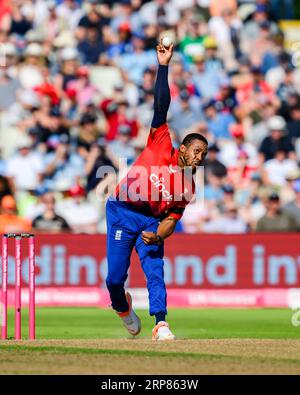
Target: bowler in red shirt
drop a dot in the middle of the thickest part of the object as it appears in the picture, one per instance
(146, 206)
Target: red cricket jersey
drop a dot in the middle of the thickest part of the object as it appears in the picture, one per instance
(156, 180)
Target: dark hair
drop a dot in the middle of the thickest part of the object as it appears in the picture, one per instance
(189, 138)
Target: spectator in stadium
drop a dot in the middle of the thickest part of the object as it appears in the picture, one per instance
(159, 12)
(226, 30)
(277, 77)
(9, 87)
(253, 93)
(88, 134)
(207, 81)
(30, 71)
(293, 100)
(49, 221)
(50, 128)
(256, 123)
(180, 78)
(251, 28)
(9, 51)
(85, 90)
(116, 114)
(228, 222)
(121, 146)
(63, 168)
(146, 85)
(191, 43)
(212, 60)
(293, 208)
(70, 12)
(230, 152)
(49, 24)
(276, 139)
(144, 110)
(228, 197)
(226, 98)
(122, 43)
(277, 169)
(289, 84)
(81, 215)
(275, 219)
(217, 122)
(250, 201)
(99, 156)
(22, 113)
(293, 125)
(91, 19)
(240, 174)
(287, 191)
(25, 169)
(135, 63)
(213, 164)
(213, 191)
(20, 19)
(186, 116)
(126, 18)
(68, 65)
(10, 222)
(92, 46)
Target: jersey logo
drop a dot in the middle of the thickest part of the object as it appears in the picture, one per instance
(118, 235)
(158, 183)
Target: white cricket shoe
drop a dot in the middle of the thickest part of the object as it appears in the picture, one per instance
(130, 320)
(161, 332)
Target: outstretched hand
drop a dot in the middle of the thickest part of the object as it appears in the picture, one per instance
(164, 54)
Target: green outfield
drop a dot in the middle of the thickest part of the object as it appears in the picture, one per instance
(94, 323)
(209, 341)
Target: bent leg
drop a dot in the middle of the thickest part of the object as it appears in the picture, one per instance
(120, 243)
(151, 257)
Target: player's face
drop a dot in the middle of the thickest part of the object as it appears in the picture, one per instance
(194, 154)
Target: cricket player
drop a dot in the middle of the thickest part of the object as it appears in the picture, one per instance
(146, 206)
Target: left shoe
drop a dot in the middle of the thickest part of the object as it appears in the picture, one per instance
(130, 320)
(162, 332)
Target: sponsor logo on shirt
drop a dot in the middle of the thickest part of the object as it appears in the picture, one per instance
(158, 183)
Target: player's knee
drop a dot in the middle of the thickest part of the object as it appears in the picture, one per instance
(116, 278)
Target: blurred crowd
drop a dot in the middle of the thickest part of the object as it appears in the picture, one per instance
(76, 93)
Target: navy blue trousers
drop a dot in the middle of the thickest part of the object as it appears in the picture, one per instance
(125, 224)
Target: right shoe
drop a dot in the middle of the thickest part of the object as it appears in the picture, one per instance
(162, 332)
(130, 320)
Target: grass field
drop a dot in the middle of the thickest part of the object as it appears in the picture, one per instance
(212, 341)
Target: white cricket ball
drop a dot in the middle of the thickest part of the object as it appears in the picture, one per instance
(166, 41)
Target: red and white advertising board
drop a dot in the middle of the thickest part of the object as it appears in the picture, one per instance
(200, 270)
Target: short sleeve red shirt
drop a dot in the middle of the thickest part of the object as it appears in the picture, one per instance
(156, 179)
